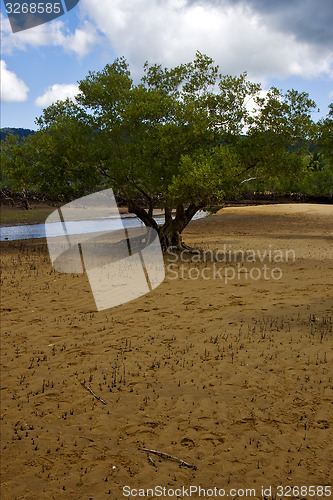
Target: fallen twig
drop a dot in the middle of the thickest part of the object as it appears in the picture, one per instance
(89, 439)
(169, 457)
(151, 461)
(92, 393)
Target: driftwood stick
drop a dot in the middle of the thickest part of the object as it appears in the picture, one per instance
(92, 393)
(169, 457)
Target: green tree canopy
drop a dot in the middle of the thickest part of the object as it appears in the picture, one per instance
(325, 134)
(182, 138)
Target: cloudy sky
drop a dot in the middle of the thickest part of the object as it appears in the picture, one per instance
(286, 43)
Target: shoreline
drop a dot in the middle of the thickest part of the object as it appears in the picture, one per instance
(15, 216)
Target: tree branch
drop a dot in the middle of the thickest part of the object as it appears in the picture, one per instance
(167, 213)
(253, 165)
(248, 180)
(140, 212)
(147, 196)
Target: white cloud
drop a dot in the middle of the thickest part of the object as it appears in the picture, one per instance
(238, 38)
(251, 106)
(57, 92)
(13, 89)
(83, 40)
(55, 34)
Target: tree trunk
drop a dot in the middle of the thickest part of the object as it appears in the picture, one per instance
(170, 232)
(25, 201)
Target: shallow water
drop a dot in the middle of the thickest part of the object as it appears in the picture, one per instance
(11, 233)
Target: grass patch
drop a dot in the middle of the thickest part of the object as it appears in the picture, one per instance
(16, 216)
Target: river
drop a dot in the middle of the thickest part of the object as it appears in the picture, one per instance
(25, 232)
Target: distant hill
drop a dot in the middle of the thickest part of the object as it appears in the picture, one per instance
(21, 132)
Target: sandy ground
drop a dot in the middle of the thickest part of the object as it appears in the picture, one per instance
(225, 367)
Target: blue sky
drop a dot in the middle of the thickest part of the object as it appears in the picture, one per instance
(286, 43)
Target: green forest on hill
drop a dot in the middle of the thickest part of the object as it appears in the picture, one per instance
(21, 133)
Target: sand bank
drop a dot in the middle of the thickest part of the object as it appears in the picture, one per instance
(234, 377)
